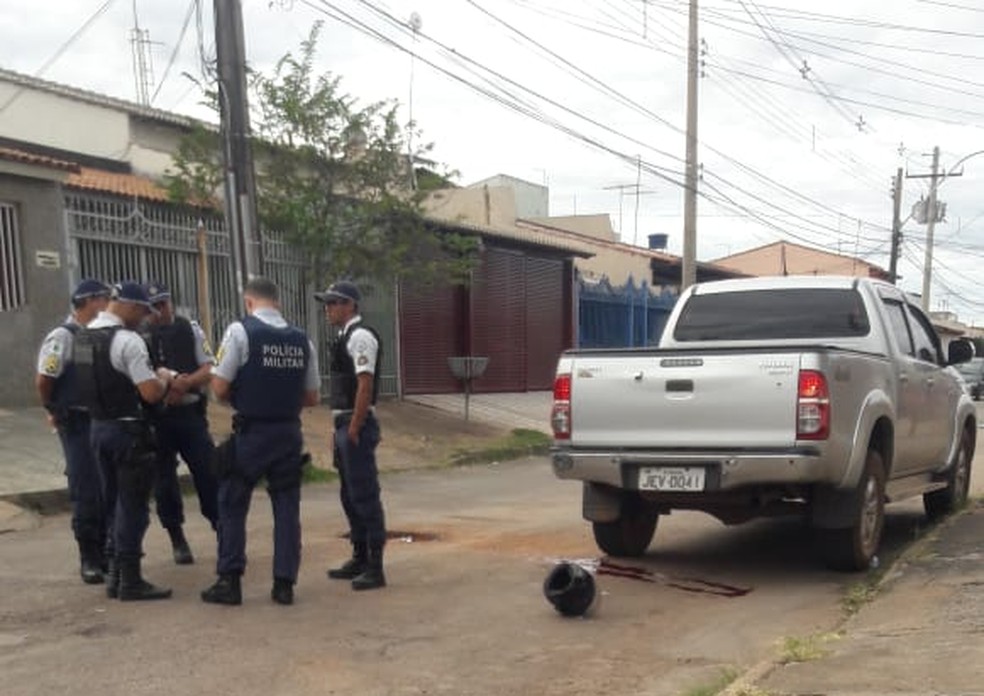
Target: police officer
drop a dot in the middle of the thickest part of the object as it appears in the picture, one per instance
(179, 345)
(268, 370)
(355, 360)
(56, 385)
(115, 378)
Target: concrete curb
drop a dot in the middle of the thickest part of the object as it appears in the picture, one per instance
(56, 500)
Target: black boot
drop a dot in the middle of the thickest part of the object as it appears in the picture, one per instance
(353, 567)
(226, 590)
(112, 578)
(283, 591)
(90, 567)
(179, 546)
(372, 577)
(132, 585)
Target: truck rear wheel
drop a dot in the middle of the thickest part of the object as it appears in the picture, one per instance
(631, 534)
(944, 502)
(853, 548)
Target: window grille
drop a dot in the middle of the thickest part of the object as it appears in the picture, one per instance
(11, 262)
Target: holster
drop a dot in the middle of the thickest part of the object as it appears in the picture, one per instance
(139, 466)
(223, 461)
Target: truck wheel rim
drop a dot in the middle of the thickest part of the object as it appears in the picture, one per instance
(870, 516)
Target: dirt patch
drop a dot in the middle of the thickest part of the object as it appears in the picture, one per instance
(414, 436)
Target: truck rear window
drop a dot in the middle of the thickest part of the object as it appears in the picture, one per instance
(773, 314)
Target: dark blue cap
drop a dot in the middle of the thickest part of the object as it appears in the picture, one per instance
(90, 288)
(157, 292)
(342, 290)
(132, 292)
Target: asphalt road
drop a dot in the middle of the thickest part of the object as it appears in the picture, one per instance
(464, 612)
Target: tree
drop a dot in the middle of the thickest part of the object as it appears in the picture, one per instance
(334, 176)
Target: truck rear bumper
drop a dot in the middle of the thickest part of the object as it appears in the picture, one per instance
(723, 471)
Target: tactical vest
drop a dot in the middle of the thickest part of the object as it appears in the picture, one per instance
(173, 346)
(344, 382)
(106, 392)
(271, 385)
(65, 394)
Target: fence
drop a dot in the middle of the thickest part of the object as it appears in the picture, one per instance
(619, 317)
(117, 239)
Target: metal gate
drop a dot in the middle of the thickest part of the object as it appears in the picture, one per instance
(115, 238)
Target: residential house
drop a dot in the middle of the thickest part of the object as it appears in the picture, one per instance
(788, 258)
(80, 196)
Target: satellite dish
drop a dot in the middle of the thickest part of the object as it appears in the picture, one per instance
(415, 22)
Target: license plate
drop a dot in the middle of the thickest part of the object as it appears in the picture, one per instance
(671, 478)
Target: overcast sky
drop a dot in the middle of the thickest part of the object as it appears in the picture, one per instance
(806, 108)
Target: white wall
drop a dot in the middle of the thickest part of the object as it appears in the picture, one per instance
(55, 121)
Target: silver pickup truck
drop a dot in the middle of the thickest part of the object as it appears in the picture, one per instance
(820, 396)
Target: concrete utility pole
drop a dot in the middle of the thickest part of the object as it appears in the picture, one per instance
(896, 227)
(240, 183)
(689, 264)
(930, 228)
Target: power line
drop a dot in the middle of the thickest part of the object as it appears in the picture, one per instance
(806, 15)
(177, 47)
(952, 4)
(69, 42)
(708, 16)
(639, 107)
(333, 11)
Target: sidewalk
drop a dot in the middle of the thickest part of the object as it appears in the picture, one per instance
(529, 410)
(414, 436)
(922, 634)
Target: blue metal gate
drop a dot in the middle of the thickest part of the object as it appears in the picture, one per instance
(620, 316)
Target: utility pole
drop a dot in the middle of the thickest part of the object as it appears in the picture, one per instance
(896, 227)
(931, 212)
(930, 228)
(240, 184)
(689, 262)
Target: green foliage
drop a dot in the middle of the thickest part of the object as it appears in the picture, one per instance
(197, 173)
(719, 684)
(519, 443)
(334, 176)
(806, 649)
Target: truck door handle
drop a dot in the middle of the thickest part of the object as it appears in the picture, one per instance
(637, 376)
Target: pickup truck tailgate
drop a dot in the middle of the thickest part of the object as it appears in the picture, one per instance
(676, 399)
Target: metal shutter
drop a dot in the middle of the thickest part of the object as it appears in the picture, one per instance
(545, 320)
(498, 299)
(430, 327)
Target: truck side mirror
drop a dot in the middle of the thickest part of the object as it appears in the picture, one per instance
(959, 351)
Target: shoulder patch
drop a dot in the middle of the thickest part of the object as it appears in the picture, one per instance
(51, 364)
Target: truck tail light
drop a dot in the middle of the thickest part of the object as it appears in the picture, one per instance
(812, 406)
(560, 414)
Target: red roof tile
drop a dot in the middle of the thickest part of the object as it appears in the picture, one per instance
(129, 185)
(22, 157)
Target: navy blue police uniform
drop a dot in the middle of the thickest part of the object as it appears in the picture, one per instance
(181, 428)
(71, 419)
(358, 350)
(270, 365)
(110, 361)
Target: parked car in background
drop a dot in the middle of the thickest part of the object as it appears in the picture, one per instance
(973, 374)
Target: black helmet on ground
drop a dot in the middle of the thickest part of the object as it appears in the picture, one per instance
(570, 588)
